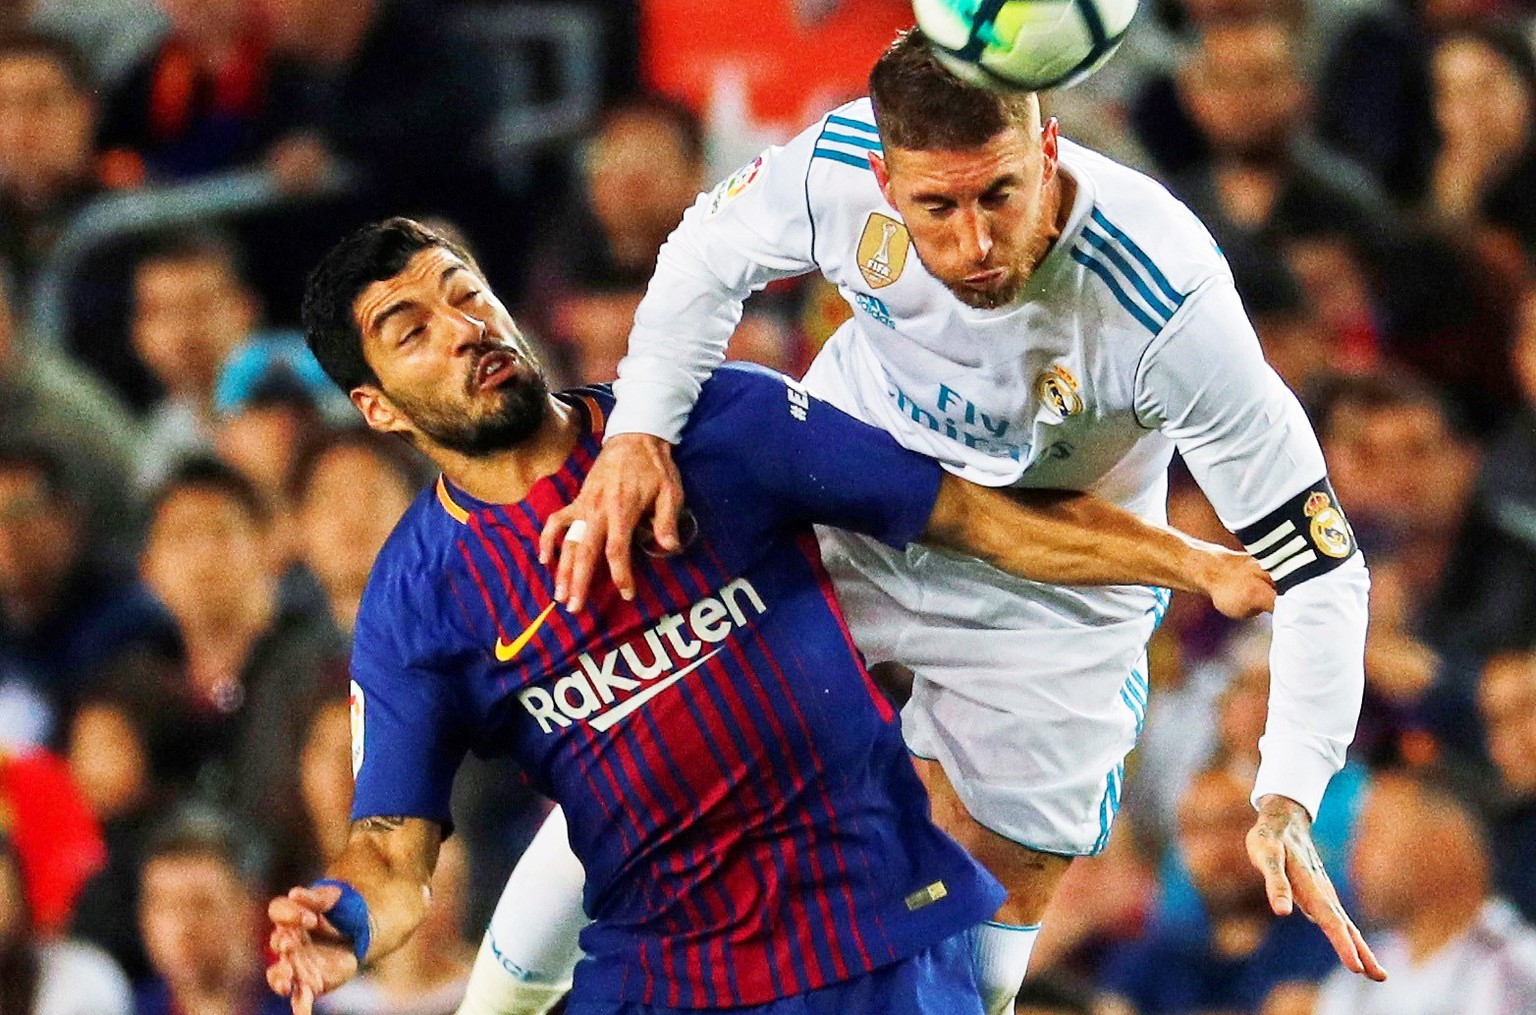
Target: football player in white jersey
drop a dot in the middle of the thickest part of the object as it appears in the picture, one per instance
(1031, 314)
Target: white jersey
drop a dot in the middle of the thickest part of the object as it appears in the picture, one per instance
(1128, 342)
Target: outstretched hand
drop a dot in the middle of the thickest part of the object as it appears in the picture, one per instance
(634, 474)
(1280, 845)
(312, 956)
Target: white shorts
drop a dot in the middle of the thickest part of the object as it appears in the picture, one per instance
(1030, 696)
(1032, 733)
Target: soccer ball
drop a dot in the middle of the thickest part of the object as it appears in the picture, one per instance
(1024, 44)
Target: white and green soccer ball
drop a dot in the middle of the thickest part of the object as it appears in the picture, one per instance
(1030, 45)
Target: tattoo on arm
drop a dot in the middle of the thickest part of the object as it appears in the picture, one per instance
(380, 823)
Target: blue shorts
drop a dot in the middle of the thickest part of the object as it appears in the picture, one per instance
(940, 980)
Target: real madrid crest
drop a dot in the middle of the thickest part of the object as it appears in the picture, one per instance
(1059, 391)
(1330, 532)
(883, 250)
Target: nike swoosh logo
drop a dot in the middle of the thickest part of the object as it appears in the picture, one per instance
(613, 715)
(505, 651)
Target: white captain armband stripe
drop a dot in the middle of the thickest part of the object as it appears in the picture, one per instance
(1306, 536)
(1283, 554)
(1280, 532)
(1299, 561)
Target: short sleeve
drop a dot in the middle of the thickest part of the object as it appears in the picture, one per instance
(408, 735)
(814, 463)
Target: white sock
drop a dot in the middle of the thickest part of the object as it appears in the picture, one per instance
(531, 947)
(1002, 959)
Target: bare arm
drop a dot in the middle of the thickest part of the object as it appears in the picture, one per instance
(1075, 539)
(389, 861)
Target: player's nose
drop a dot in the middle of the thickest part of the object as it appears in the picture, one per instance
(975, 236)
(464, 331)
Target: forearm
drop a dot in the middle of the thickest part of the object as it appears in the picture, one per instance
(1065, 538)
(390, 862)
(1317, 679)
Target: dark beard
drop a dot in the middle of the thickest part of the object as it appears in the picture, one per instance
(524, 404)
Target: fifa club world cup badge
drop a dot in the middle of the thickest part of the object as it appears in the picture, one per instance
(1330, 533)
(883, 250)
(1059, 391)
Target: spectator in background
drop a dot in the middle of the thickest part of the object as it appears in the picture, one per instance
(225, 713)
(201, 916)
(263, 432)
(1507, 706)
(1421, 868)
(1484, 80)
(1247, 164)
(198, 103)
(48, 164)
(41, 977)
(1490, 581)
(428, 975)
(1242, 953)
(348, 493)
(386, 89)
(191, 310)
(64, 611)
(642, 169)
(50, 827)
(48, 401)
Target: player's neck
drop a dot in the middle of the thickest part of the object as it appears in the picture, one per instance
(505, 477)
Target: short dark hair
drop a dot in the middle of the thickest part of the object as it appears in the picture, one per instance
(201, 831)
(183, 246)
(24, 42)
(678, 116)
(374, 253)
(210, 474)
(1374, 392)
(921, 106)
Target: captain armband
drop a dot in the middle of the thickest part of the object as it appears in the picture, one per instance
(1306, 536)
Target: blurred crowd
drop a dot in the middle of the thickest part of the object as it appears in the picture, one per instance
(188, 512)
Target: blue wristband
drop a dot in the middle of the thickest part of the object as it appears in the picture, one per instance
(349, 915)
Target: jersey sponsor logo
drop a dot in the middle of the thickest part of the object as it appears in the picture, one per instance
(1330, 533)
(735, 185)
(355, 713)
(959, 419)
(1058, 390)
(603, 691)
(506, 651)
(882, 250)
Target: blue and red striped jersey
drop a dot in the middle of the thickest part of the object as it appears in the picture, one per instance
(736, 787)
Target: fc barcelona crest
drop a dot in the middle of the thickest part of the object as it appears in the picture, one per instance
(883, 250)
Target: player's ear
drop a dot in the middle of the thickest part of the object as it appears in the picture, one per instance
(1050, 146)
(378, 411)
(882, 176)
